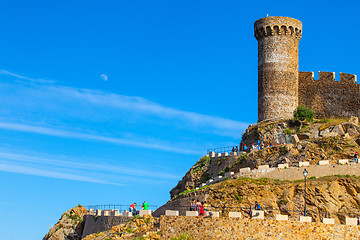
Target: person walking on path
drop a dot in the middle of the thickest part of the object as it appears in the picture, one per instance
(356, 157)
(250, 210)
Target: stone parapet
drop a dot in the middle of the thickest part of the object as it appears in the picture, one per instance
(234, 214)
(191, 213)
(305, 219)
(328, 220)
(144, 212)
(324, 162)
(171, 213)
(351, 221)
(281, 217)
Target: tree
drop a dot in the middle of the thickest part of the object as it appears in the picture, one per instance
(303, 114)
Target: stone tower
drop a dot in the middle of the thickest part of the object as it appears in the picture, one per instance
(278, 66)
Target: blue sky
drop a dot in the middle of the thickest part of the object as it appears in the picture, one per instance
(113, 101)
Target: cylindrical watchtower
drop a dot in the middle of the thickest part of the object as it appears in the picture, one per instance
(278, 66)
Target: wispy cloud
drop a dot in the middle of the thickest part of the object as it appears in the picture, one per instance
(132, 104)
(4, 72)
(74, 170)
(86, 136)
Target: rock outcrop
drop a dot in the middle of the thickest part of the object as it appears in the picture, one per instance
(283, 142)
(70, 225)
(333, 196)
(146, 228)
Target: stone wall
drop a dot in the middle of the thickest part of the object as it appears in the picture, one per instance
(236, 228)
(94, 224)
(327, 97)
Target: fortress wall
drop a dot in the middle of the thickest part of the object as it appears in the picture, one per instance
(235, 228)
(328, 97)
(94, 224)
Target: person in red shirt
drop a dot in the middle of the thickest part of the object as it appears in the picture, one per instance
(133, 209)
(202, 210)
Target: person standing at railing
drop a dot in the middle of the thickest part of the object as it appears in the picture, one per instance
(202, 210)
(236, 149)
(145, 206)
(133, 209)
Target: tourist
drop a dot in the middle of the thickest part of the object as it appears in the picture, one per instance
(202, 211)
(236, 149)
(145, 206)
(245, 147)
(192, 205)
(133, 209)
(233, 149)
(257, 206)
(356, 157)
(250, 210)
(198, 206)
(205, 208)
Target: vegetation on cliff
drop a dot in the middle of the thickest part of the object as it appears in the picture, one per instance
(331, 196)
(285, 141)
(70, 225)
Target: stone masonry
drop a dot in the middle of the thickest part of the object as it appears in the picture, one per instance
(282, 88)
(235, 228)
(278, 66)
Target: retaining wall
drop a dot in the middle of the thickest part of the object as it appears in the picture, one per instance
(207, 228)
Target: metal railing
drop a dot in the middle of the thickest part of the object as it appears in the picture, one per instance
(227, 149)
(120, 207)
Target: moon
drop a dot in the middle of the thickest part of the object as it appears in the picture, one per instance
(104, 76)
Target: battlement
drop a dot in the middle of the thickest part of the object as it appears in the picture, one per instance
(306, 77)
(283, 26)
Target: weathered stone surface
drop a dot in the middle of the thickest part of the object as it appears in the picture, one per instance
(304, 164)
(277, 66)
(285, 165)
(70, 225)
(351, 221)
(324, 162)
(235, 214)
(244, 228)
(305, 219)
(191, 213)
(171, 213)
(281, 217)
(258, 214)
(144, 212)
(244, 170)
(343, 161)
(263, 167)
(213, 214)
(328, 221)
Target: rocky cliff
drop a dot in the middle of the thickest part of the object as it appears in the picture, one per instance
(332, 196)
(284, 142)
(69, 226)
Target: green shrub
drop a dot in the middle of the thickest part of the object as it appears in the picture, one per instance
(302, 113)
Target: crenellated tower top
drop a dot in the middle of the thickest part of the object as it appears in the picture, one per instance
(270, 26)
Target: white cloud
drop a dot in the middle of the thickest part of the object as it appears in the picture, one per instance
(86, 97)
(86, 136)
(73, 169)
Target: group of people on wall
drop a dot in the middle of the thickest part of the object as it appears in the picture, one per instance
(134, 211)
